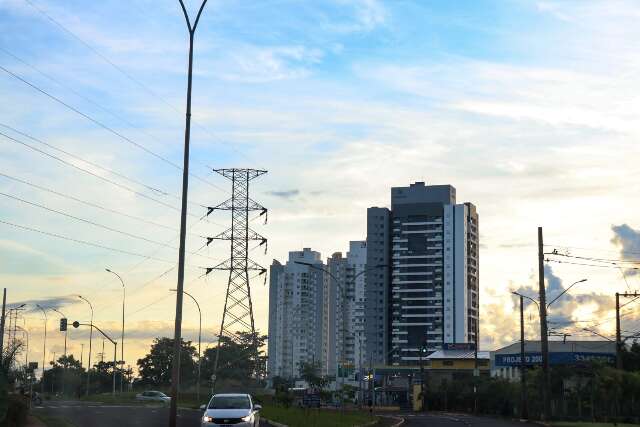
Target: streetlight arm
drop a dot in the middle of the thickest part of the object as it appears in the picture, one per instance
(116, 274)
(57, 311)
(99, 330)
(529, 298)
(565, 291)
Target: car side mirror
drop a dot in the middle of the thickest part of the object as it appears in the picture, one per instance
(257, 407)
(203, 407)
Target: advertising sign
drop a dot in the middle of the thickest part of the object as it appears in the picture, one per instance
(555, 358)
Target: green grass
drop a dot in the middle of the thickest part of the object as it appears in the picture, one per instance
(298, 417)
(587, 424)
(55, 421)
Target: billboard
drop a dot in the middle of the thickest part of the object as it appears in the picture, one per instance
(555, 358)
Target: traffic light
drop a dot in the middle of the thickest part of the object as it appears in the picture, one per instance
(63, 324)
(76, 324)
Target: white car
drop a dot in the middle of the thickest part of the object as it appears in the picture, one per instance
(231, 410)
(153, 396)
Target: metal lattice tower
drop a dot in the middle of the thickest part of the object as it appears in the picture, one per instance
(238, 308)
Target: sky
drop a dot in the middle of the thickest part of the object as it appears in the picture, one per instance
(529, 108)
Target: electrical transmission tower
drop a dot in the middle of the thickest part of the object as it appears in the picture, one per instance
(238, 308)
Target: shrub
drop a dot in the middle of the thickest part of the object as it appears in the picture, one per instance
(17, 411)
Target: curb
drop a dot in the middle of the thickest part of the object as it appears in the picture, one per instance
(273, 423)
(399, 423)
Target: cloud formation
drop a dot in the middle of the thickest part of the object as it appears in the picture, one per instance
(627, 240)
(285, 194)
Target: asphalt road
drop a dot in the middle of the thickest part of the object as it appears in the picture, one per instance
(84, 414)
(455, 420)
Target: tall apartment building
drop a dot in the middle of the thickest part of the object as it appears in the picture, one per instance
(344, 308)
(296, 301)
(430, 290)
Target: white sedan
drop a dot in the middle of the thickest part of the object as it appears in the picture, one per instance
(231, 410)
(153, 396)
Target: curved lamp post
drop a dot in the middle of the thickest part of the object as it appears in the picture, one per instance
(124, 295)
(199, 340)
(90, 341)
(44, 346)
(337, 281)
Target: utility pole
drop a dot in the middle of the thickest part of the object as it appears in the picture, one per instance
(177, 338)
(619, 344)
(81, 354)
(618, 334)
(4, 306)
(544, 336)
(524, 413)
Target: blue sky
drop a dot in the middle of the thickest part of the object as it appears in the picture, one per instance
(529, 108)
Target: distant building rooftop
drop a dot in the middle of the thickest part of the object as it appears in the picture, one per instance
(458, 354)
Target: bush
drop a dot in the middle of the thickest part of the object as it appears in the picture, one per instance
(17, 411)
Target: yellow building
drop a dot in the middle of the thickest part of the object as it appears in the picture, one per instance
(459, 361)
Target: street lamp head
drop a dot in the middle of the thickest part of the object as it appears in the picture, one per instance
(583, 280)
(106, 269)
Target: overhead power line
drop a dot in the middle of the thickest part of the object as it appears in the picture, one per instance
(105, 179)
(104, 126)
(95, 165)
(128, 76)
(622, 251)
(603, 260)
(589, 265)
(87, 203)
(95, 224)
(83, 242)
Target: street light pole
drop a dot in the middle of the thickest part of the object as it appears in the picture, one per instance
(64, 367)
(90, 341)
(44, 347)
(124, 295)
(115, 350)
(524, 413)
(199, 341)
(316, 267)
(177, 347)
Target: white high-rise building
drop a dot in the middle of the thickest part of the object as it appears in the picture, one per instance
(296, 301)
(344, 309)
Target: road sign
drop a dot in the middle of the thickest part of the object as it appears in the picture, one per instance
(76, 324)
(63, 324)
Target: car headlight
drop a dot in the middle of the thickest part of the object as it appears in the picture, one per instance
(247, 418)
(206, 419)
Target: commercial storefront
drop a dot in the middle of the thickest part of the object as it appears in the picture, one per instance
(506, 362)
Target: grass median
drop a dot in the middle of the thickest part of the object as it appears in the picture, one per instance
(50, 421)
(300, 417)
(588, 424)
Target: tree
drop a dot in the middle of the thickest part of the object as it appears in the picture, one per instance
(74, 376)
(310, 372)
(155, 367)
(240, 360)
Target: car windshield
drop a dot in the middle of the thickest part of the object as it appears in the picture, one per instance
(230, 402)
